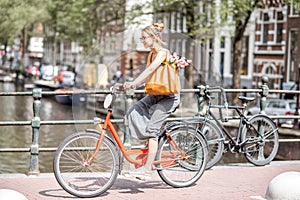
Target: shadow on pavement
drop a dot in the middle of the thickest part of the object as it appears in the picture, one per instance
(122, 186)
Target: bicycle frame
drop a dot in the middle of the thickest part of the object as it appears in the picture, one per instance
(242, 120)
(241, 117)
(128, 152)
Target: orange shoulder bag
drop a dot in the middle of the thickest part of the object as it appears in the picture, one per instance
(164, 80)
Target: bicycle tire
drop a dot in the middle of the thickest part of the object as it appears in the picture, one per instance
(260, 149)
(215, 141)
(183, 173)
(80, 180)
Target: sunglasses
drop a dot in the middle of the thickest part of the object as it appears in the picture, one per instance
(144, 37)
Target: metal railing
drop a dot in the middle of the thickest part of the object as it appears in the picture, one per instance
(36, 121)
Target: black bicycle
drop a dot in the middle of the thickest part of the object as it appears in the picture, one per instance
(257, 136)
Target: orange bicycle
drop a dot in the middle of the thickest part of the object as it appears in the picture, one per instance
(86, 164)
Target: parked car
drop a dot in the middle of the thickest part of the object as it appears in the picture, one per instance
(277, 107)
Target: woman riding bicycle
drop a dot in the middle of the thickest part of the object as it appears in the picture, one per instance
(146, 117)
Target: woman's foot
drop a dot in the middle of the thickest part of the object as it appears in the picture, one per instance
(141, 173)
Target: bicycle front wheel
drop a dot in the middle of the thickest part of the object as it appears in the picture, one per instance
(185, 172)
(78, 178)
(215, 142)
(261, 140)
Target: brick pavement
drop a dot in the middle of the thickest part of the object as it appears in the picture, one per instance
(230, 182)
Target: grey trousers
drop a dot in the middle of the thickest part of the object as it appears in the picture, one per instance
(146, 117)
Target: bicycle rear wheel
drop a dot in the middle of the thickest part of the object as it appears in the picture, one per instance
(185, 172)
(261, 138)
(215, 142)
(85, 180)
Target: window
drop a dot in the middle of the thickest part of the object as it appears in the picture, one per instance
(222, 42)
(211, 41)
(279, 25)
(294, 53)
(231, 59)
(295, 9)
(279, 16)
(272, 105)
(292, 105)
(271, 72)
(222, 64)
(279, 32)
(265, 27)
(210, 63)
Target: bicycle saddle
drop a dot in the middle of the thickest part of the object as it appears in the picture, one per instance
(246, 99)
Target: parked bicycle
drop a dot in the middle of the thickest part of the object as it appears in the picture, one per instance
(257, 136)
(86, 164)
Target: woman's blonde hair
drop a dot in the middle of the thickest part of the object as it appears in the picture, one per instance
(155, 30)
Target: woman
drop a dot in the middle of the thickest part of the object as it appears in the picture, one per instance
(146, 117)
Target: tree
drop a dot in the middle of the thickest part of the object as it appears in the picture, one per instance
(83, 21)
(241, 12)
(204, 25)
(17, 18)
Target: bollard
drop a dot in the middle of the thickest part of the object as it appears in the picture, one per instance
(35, 124)
(263, 94)
(284, 186)
(7, 194)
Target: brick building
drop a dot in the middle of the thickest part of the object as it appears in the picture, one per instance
(292, 51)
(269, 47)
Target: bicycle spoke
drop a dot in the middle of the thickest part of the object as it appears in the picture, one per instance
(78, 178)
(188, 167)
(261, 139)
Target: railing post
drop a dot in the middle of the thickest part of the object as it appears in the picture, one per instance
(128, 104)
(263, 94)
(35, 124)
(201, 100)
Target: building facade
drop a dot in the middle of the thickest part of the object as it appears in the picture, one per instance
(292, 51)
(270, 44)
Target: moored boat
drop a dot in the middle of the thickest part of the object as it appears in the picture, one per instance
(63, 98)
(69, 98)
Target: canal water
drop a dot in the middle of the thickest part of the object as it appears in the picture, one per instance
(19, 108)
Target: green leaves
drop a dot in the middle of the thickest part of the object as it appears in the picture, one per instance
(15, 15)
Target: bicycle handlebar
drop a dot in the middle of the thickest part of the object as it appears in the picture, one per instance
(222, 91)
(118, 87)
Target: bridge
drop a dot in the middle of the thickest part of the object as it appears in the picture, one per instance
(242, 176)
(36, 121)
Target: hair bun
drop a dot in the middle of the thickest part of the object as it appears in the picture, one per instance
(158, 26)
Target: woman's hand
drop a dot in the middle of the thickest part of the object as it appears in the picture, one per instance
(128, 86)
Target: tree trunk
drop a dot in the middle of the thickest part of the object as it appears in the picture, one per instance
(25, 45)
(237, 63)
(240, 28)
(190, 50)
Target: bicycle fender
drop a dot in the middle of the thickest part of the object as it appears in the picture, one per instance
(259, 115)
(170, 126)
